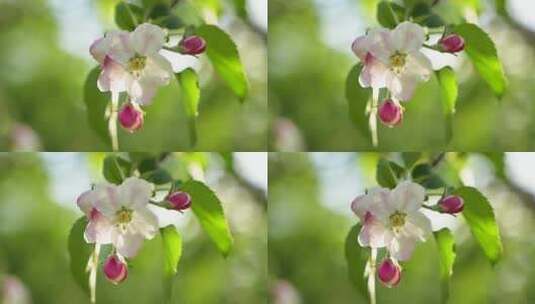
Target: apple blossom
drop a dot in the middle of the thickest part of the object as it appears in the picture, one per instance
(451, 204)
(130, 62)
(389, 273)
(179, 200)
(373, 70)
(115, 269)
(399, 50)
(392, 219)
(390, 113)
(452, 43)
(192, 45)
(131, 117)
(119, 215)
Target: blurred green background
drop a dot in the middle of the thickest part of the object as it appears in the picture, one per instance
(37, 208)
(310, 217)
(310, 57)
(45, 59)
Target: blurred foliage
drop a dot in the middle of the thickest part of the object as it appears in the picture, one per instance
(34, 228)
(307, 232)
(307, 85)
(41, 85)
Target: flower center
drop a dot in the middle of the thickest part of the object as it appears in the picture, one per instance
(137, 64)
(398, 61)
(124, 216)
(397, 220)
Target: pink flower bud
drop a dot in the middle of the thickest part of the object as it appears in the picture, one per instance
(451, 204)
(179, 200)
(389, 273)
(131, 118)
(452, 43)
(390, 113)
(115, 270)
(192, 45)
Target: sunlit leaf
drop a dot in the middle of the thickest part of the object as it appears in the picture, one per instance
(358, 98)
(388, 173)
(482, 222)
(356, 258)
(389, 14)
(79, 252)
(115, 169)
(127, 15)
(158, 177)
(481, 50)
(223, 54)
(410, 158)
(208, 209)
(446, 251)
(96, 103)
(172, 249)
(449, 92)
(191, 93)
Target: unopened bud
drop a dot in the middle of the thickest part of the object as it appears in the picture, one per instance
(390, 113)
(131, 117)
(451, 204)
(192, 45)
(389, 273)
(179, 200)
(115, 270)
(452, 43)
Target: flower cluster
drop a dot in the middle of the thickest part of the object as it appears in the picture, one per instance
(393, 219)
(119, 215)
(132, 62)
(393, 59)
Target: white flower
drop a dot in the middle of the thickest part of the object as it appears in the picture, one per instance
(394, 59)
(392, 219)
(124, 219)
(373, 70)
(131, 62)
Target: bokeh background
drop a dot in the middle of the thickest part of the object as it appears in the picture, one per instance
(310, 57)
(45, 59)
(38, 206)
(310, 217)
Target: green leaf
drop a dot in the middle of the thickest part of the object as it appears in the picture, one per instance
(410, 158)
(172, 249)
(240, 6)
(388, 173)
(423, 14)
(208, 209)
(159, 10)
(158, 177)
(79, 252)
(446, 251)
(481, 50)
(482, 222)
(115, 169)
(390, 14)
(171, 22)
(498, 160)
(223, 54)
(191, 94)
(449, 92)
(423, 174)
(358, 98)
(356, 258)
(127, 16)
(96, 103)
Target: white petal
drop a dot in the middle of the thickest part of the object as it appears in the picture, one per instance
(147, 39)
(361, 47)
(402, 86)
(127, 244)
(158, 70)
(85, 202)
(141, 92)
(373, 200)
(418, 225)
(145, 223)
(373, 73)
(99, 49)
(419, 64)
(120, 46)
(135, 193)
(98, 230)
(180, 62)
(373, 233)
(113, 76)
(408, 37)
(401, 247)
(381, 45)
(107, 199)
(408, 196)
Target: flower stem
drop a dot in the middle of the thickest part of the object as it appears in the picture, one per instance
(112, 122)
(373, 118)
(92, 267)
(371, 276)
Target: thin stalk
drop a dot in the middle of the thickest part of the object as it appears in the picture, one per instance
(373, 118)
(371, 276)
(92, 267)
(112, 122)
